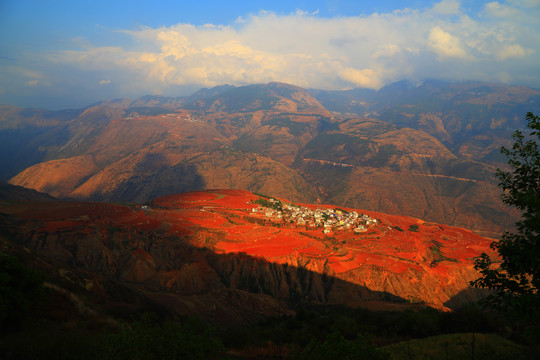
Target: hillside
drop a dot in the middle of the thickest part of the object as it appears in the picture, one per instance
(473, 119)
(211, 253)
(14, 193)
(427, 151)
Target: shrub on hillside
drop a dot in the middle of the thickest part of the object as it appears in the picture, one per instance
(20, 289)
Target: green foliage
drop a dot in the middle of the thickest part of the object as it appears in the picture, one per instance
(262, 202)
(414, 228)
(517, 280)
(20, 289)
(147, 339)
(52, 342)
(315, 328)
(143, 339)
(472, 318)
(316, 332)
(276, 205)
(457, 347)
(335, 346)
(438, 256)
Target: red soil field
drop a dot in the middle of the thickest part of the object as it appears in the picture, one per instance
(391, 249)
(383, 245)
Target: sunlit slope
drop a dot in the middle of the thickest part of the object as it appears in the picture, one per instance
(192, 250)
(278, 138)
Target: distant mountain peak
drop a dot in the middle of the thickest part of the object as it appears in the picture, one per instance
(274, 95)
(402, 85)
(209, 92)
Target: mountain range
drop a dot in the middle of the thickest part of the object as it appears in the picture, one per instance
(427, 150)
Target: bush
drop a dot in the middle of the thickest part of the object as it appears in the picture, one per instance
(20, 288)
(337, 347)
(146, 339)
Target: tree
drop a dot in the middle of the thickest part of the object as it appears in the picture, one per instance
(515, 282)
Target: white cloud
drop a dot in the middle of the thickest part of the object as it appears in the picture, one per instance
(32, 83)
(25, 72)
(445, 44)
(308, 50)
(366, 78)
(497, 9)
(512, 51)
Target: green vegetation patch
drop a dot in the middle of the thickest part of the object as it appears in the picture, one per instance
(337, 347)
(276, 204)
(437, 255)
(457, 347)
(145, 339)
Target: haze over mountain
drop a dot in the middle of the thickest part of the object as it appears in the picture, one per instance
(426, 150)
(66, 54)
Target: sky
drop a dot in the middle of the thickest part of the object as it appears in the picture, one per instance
(58, 54)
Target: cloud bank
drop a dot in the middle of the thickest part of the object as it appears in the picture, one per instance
(499, 43)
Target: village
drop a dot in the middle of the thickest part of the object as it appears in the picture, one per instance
(330, 220)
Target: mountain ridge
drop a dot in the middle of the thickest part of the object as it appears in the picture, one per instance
(404, 158)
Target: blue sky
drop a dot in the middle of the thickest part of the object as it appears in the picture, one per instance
(60, 54)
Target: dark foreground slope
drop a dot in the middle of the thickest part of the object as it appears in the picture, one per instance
(274, 289)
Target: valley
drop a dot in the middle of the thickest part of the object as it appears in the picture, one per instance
(408, 157)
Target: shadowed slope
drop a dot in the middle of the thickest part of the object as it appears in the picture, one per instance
(208, 253)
